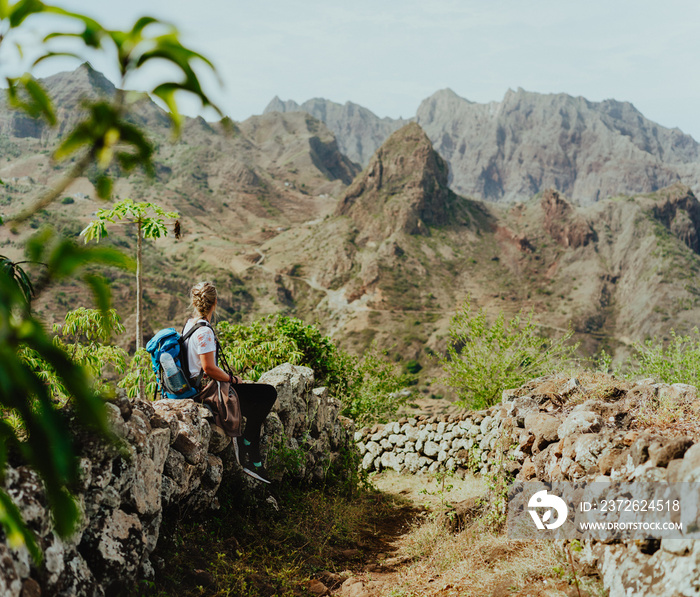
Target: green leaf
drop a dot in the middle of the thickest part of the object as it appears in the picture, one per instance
(166, 92)
(110, 256)
(141, 24)
(63, 502)
(18, 276)
(92, 35)
(78, 138)
(95, 230)
(25, 93)
(103, 297)
(41, 99)
(55, 55)
(38, 244)
(103, 185)
(16, 532)
(63, 257)
(18, 12)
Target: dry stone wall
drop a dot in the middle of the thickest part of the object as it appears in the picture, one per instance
(171, 457)
(555, 429)
(430, 444)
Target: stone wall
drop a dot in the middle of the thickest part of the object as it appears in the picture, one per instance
(430, 444)
(556, 429)
(171, 457)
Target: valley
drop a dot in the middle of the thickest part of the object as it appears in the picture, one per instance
(275, 213)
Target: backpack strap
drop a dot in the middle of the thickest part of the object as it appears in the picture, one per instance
(194, 328)
(219, 350)
(185, 359)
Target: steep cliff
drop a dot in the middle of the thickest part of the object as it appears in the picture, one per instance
(404, 188)
(515, 148)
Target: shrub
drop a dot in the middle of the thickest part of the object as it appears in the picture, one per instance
(413, 366)
(374, 390)
(483, 359)
(139, 372)
(368, 386)
(273, 340)
(84, 337)
(676, 362)
(67, 200)
(252, 350)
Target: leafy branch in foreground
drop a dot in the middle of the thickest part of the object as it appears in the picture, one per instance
(483, 359)
(19, 277)
(43, 442)
(106, 135)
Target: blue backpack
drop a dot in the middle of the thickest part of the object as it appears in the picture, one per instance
(170, 341)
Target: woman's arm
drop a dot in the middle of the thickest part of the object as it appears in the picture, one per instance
(213, 372)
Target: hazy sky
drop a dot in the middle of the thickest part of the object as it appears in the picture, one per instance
(388, 55)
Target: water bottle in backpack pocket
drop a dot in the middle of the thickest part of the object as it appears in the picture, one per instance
(173, 377)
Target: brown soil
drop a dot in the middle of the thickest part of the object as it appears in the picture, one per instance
(391, 559)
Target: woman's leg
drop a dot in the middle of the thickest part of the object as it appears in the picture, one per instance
(256, 401)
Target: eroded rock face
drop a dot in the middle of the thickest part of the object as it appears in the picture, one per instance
(404, 188)
(512, 149)
(172, 454)
(563, 223)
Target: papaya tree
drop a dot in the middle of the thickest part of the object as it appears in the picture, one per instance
(149, 221)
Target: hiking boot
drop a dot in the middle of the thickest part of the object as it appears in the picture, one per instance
(246, 457)
(257, 472)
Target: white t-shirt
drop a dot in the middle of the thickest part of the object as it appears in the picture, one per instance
(201, 342)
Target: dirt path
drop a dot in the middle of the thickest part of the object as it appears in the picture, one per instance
(386, 546)
(410, 551)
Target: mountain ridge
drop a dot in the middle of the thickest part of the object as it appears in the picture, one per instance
(358, 130)
(509, 150)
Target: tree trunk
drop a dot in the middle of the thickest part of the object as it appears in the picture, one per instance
(139, 327)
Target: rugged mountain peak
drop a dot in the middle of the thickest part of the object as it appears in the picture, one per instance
(563, 222)
(359, 131)
(447, 95)
(511, 150)
(404, 187)
(277, 105)
(84, 81)
(67, 90)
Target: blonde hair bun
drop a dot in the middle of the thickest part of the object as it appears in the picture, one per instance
(202, 298)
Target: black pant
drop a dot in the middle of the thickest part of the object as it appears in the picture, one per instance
(256, 401)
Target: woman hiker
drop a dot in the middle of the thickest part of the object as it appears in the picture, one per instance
(226, 391)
